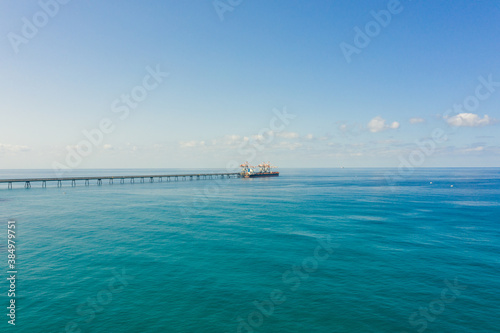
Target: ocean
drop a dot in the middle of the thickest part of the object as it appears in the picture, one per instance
(314, 250)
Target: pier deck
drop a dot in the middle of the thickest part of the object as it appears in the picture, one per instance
(151, 178)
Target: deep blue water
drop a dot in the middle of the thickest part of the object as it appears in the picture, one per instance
(316, 250)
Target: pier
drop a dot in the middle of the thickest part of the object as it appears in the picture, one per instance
(121, 179)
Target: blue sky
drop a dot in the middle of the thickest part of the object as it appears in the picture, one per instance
(233, 66)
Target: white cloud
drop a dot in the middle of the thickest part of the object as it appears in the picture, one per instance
(228, 140)
(191, 144)
(480, 148)
(289, 145)
(417, 120)
(469, 120)
(5, 147)
(131, 147)
(288, 135)
(309, 136)
(394, 125)
(378, 124)
(258, 137)
(233, 138)
(108, 147)
(262, 136)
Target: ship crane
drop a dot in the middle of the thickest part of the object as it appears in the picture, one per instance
(248, 171)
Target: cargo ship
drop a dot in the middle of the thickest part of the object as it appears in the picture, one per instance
(248, 171)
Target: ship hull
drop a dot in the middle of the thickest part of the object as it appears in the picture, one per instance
(263, 174)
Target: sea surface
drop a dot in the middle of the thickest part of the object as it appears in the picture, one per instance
(314, 250)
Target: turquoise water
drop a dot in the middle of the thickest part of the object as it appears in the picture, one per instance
(340, 250)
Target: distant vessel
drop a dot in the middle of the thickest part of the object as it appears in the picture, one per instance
(249, 171)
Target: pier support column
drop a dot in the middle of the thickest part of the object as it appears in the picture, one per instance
(111, 181)
(73, 182)
(59, 183)
(99, 182)
(44, 184)
(9, 185)
(27, 185)
(87, 182)
(122, 180)
(132, 180)
(142, 179)
(151, 180)
(160, 179)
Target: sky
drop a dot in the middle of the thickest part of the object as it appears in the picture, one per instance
(206, 84)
